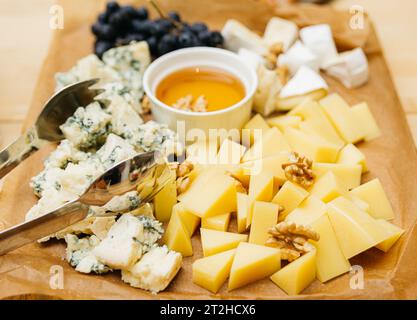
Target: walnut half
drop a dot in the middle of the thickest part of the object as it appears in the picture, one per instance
(299, 170)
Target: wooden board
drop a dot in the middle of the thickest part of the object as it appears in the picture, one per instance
(392, 158)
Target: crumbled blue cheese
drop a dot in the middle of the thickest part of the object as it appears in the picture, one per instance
(118, 204)
(98, 226)
(114, 151)
(79, 254)
(152, 232)
(124, 118)
(63, 154)
(155, 270)
(48, 179)
(88, 127)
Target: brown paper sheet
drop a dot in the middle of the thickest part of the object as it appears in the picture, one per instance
(26, 273)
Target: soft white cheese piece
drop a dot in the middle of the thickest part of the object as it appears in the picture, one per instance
(350, 68)
(115, 150)
(268, 91)
(279, 30)
(305, 81)
(123, 118)
(98, 226)
(64, 153)
(252, 59)
(319, 39)
(298, 55)
(237, 36)
(48, 179)
(121, 248)
(155, 270)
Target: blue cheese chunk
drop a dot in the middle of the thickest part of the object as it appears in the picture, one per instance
(48, 179)
(121, 248)
(63, 154)
(115, 150)
(155, 270)
(88, 127)
(152, 232)
(124, 118)
(98, 226)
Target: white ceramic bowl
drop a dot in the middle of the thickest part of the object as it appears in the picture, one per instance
(229, 118)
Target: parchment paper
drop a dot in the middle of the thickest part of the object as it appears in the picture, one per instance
(26, 273)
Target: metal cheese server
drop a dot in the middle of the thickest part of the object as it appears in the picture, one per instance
(56, 111)
(147, 173)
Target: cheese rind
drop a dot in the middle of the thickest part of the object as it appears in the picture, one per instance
(279, 30)
(214, 241)
(265, 216)
(253, 262)
(211, 272)
(298, 55)
(297, 275)
(289, 197)
(220, 222)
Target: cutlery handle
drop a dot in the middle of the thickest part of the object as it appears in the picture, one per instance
(43, 226)
(19, 150)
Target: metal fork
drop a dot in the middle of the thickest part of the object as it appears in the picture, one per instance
(147, 173)
(56, 111)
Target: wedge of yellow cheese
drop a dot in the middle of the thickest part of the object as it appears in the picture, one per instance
(373, 193)
(282, 122)
(350, 154)
(330, 261)
(297, 275)
(289, 197)
(265, 216)
(311, 209)
(356, 231)
(165, 199)
(253, 262)
(393, 234)
(243, 208)
(313, 147)
(348, 175)
(177, 237)
(271, 143)
(328, 187)
(211, 272)
(343, 118)
(230, 152)
(220, 222)
(189, 220)
(261, 187)
(214, 241)
(203, 151)
(256, 123)
(292, 102)
(211, 195)
(366, 121)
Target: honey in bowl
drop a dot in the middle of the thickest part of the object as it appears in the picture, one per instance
(200, 89)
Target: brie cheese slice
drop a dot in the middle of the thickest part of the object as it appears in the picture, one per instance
(319, 40)
(304, 81)
(251, 58)
(280, 31)
(298, 55)
(350, 68)
(237, 36)
(267, 92)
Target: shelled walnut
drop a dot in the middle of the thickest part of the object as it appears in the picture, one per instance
(299, 170)
(291, 239)
(183, 171)
(188, 103)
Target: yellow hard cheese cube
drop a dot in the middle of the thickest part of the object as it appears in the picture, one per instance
(289, 197)
(282, 122)
(203, 151)
(253, 262)
(189, 220)
(373, 193)
(243, 208)
(261, 188)
(211, 272)
(297, 275)
(214, 241)
(311, 209)
(313, 147)
(327, 187)
(230, 152)
(257, 122)
(211, 195)
(271, 143)
(349, 175)
(291, 102)
(366, 121)
(165, 199)
(364, 206)
(343, 118)
(393, 234)
(352, 155)
(330, 261)
(356, 231)
(316, 122)
(220, 222)
(177, 237)
(265, 216)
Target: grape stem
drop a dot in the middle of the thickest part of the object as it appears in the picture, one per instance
(158, 9)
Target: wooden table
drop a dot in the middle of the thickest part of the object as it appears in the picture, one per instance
(25, 37)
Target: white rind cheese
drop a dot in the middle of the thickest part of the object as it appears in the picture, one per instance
(305, 81)
(252, 59)
(280, 31)
(299, 55)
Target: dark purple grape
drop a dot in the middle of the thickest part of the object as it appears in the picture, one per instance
(102, 46)
(103, 31)
(129, 11)
(216, 39)
(165, 25)
(142, 13)
(153, 45)
(174, 15)
(112, 7)
(157, 29)
(205, 38)
(119, 21)
(103, 17)
(198, 27)
(187, 39)
(167, 44)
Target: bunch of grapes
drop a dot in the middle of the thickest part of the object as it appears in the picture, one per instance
(119, 25)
